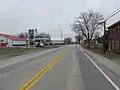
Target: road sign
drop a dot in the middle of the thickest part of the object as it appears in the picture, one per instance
(31, 34)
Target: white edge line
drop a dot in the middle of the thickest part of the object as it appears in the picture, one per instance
(101, 71)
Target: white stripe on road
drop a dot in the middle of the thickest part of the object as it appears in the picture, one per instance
(101, 71)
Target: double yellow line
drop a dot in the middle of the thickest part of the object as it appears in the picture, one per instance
(39, 75)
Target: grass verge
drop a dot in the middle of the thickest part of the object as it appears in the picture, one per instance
(16, 51)
(110, 55)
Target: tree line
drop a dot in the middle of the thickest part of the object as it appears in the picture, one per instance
(37, 35)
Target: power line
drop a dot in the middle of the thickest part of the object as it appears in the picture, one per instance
(61, 36)
(117, 11)
(113, 12)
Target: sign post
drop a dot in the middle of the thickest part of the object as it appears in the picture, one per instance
(30, 36)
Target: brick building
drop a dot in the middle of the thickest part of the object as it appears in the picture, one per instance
(113, 37)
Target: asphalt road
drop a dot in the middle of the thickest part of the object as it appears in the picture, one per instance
(62, 68)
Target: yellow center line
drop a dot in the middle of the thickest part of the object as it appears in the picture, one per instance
(39, 75)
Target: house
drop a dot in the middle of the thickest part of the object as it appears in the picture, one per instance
(93, 43)
(113, 37)
(12, 40)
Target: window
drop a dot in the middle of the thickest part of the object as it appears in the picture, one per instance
(112, 31)
(112, 44)
(118, 29)
(117, 46)
(109, 45)
(1, 41)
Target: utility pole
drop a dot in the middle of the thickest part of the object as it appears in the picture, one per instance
(61, 36)
(104, 38)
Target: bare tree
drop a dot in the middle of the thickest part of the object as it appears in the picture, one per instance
(79, 38)
(43, 35)
(68, 40)
(22, 35)
(97, 34)
(87, 24)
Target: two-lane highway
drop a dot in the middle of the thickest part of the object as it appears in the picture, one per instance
(64, 68)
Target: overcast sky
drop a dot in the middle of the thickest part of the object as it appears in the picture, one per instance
(49, 16)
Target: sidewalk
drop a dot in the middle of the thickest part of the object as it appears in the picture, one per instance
(103, 60)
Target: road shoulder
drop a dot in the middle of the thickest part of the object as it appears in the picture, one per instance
(109, 67)
(108, 63)
(75, 81)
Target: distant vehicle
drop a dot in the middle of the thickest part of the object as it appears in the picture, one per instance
(57, 42)
(41, 42)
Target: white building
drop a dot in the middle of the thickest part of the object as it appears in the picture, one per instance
(12, 40)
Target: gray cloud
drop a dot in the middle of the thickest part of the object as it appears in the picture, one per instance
(49, 16)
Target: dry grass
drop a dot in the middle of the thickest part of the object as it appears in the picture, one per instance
(9, 52)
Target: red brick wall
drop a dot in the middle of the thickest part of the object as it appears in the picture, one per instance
(114, 34)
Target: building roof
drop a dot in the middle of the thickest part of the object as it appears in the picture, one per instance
(12, 37)
(118, 22)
